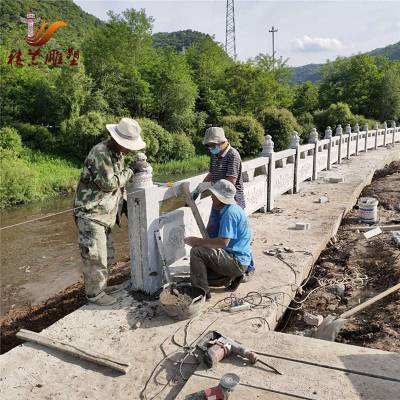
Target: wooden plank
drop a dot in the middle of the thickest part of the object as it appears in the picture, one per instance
(84, 354)
(384, 228)
(185, 187)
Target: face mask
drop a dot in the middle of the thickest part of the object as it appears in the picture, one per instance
(214, 150)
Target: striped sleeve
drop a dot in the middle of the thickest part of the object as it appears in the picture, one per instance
(233, 166)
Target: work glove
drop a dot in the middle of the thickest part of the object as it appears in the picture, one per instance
(201, 187)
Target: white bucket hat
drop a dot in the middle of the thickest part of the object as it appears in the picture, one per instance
(127, 134)
(214, 134)
(224, 191)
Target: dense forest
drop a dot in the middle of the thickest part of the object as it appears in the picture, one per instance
(176, 84)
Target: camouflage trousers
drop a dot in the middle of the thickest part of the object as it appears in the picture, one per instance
(97, 252)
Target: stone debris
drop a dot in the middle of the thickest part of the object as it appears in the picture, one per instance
(336, 179)
(302, 226)
(396, 237)
(279, 250)
(323, 200)
(313, 320)
(372, 233)
(339, 289)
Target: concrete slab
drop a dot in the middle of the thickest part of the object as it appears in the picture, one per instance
(302, 377)
(30, 371)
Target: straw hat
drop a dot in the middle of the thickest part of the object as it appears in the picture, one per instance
(224, 191)
(127, 134)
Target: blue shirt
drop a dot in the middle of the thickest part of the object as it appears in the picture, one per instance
(234, 225)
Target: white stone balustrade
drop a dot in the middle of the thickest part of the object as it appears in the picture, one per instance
(265, 179)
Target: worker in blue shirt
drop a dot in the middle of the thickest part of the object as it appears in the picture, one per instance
(223, 260)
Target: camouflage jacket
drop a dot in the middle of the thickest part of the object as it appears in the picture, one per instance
(101, 185)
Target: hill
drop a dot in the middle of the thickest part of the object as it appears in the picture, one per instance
(180, 40)
(13, 32)
(311, 72)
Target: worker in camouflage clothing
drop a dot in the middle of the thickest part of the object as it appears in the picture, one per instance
(98, 202)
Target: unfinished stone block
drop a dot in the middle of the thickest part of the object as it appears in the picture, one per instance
(302, 226)
(314, 320)
(372, 233)
(396, 237)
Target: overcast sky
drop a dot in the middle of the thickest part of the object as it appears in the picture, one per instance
(308, 31)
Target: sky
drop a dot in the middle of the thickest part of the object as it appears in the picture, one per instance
(308, 31)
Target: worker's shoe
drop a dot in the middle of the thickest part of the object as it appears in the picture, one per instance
(234, 283)
(117, 288)
(102, 299)
(248, 276)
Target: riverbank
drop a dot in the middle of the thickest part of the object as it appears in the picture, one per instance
(368, 267)
(34, 175)
(155, 349)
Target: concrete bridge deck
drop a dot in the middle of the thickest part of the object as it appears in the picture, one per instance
(31, 371)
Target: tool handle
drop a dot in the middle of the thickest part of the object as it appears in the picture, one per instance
(367, 303)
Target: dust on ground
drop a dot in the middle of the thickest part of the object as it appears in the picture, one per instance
(353, 269)
(40, 316)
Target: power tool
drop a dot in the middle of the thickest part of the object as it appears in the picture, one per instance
(215, 347)
(225, 387)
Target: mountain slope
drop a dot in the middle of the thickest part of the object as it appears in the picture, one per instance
(312, 72)
(13, 32)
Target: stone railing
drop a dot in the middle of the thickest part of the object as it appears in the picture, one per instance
(265, 179)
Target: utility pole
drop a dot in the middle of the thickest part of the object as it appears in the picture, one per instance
(230, 39)
(273, 31)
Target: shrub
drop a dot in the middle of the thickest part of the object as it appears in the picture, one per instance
(306, 121)
(338, 113)
(19, 182)
(36, 136)
(245, 133)
(159, 142)
(80, 134)
(182, 147)
(10, 141)
(280, 124)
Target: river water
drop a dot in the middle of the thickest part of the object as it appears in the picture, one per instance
(39, 259)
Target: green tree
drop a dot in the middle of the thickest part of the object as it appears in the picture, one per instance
(174, 92)
(351, 80)
(305, 98)
(280, 124)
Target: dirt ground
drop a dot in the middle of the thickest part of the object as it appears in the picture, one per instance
(40, 316)
(353, 269)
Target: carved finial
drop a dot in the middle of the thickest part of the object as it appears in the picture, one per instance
(267, 147)
(365, 127)
(347, 129)
(339, 130)
(294, 140)
(313, 136)
(143, 176)
(374, 125)
(393, 124)
(356, 128)
(384, 125)
(328, 133)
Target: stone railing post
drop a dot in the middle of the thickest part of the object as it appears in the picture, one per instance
(384, 126)
(339, 132)
(268, 151)
(366, 137)
(143, 209)
(295, 144)
(314, 139)
(393, 125)
(375, 126)
(347, 131)
(357, 130)
(328, 135)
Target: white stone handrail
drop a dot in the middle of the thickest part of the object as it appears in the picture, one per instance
(265, 179)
